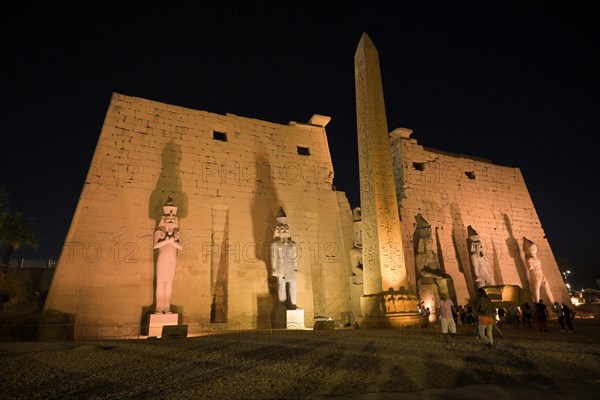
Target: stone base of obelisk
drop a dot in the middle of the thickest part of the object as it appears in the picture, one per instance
(377, 313)
(393, 321)
(157, 321)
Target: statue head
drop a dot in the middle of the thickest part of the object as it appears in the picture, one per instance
(423, 227)
(170, 208)
(282, 231)
(356, 214)
(422, 235)
(475, 240)
(169, 221)
(529, 248)
(281, 218)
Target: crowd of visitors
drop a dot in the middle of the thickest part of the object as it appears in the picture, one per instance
(488, 319)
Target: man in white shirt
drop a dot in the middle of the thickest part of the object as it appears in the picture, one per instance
(445, 309)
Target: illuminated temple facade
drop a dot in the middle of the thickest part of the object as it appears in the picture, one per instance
(229, 176)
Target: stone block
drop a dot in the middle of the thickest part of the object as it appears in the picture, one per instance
(294, 319)
(324, 325)
(157, 321)
(174, 331)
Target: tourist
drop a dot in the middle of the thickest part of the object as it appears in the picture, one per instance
(469, 315)
(462, 313)
(500, 321)
(541, 316)
(497, 328)
(557, 308)
(445, 311)
(421, 308)
(426, 313)
(569, 316)
(501, 315)
(514, 316)
(526, 311)
(486, 313)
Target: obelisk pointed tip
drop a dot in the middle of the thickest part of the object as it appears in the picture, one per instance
(366, 42)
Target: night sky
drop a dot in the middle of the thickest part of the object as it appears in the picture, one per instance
(513, 82)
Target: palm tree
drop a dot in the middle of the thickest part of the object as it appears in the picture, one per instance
(15, 231)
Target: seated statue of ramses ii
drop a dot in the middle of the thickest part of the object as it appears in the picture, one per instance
(426, 261)
(356, 256)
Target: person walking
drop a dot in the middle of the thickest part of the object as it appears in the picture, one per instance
(501, 315)
(557, 308)
(526, 311)
(569, 316)
(469, 315)
(497, 328)
(514, 316)
(448, 324)
(486, 312)
(541, 316)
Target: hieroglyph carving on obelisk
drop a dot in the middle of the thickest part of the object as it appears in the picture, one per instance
(384, 265)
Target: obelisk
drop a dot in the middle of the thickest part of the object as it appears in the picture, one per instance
(384, 265)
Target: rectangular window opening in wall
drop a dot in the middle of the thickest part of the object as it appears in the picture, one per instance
(470, 174)
(419, 166)
(303, 151)
(222, 136)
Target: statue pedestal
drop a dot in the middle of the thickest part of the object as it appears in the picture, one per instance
(157, 321)
(294, 319)
(507, 295)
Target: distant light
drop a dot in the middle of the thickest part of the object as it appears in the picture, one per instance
(575, 300)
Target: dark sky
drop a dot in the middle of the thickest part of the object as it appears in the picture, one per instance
(513, 82)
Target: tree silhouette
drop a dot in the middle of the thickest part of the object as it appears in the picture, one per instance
(15, 231)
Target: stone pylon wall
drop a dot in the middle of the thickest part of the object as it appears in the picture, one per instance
(227, 193)
(452, 192)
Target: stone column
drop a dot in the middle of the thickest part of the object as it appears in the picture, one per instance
(384, 265)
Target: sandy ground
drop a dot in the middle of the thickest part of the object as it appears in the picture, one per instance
(294, 364)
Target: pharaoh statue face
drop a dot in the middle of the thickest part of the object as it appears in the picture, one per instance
(533, 250)
(478, 248)
(282, 232)
(169, 223)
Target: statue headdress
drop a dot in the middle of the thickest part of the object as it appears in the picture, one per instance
(170, 208)
(472, 233)
(281, 218)
(527, 244)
